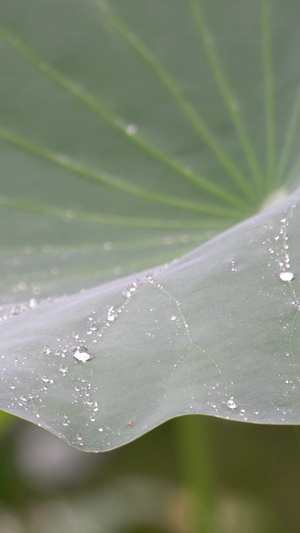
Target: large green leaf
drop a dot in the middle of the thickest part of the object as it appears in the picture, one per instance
(131, 133)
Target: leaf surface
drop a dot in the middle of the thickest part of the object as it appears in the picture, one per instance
(135, 135)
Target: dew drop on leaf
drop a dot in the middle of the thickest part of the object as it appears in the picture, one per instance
(64, 369)
(81, 354)
(231, 403)
(131, 129)
(111, 315)
(286, 275)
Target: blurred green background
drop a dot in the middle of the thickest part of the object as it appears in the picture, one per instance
(47, 486)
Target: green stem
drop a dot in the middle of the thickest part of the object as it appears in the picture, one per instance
(197, 464)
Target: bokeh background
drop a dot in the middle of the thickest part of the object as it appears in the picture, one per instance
(49, 487)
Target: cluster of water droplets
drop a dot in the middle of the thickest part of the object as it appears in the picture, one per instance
(279, 249)
(284, 262)
(75, 356)
(74, 352)
(233, 265)
(231, 403)
(18, 309)
(280, 252)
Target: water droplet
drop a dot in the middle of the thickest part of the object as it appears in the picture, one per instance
(63, 370)
(286, 276)
(233, 266)
(16, 310)
(111, 314)
(66, 421)
(81, 354)
(129, 291)
(231, 403)
(131, 129)
(23, 399)
(79, 439)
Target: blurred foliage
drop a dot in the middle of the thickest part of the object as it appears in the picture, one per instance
(140, 488)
